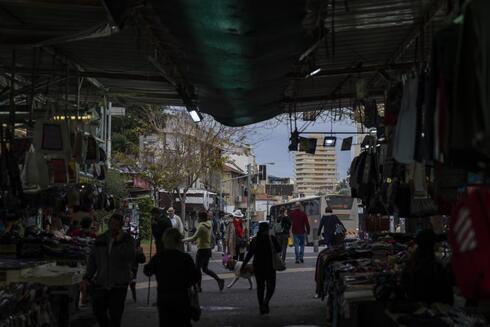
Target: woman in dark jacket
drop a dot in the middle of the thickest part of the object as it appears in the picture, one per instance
(176, 273)
(261, 249)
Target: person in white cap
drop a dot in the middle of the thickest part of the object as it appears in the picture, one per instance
(176, 221)
(240, 240)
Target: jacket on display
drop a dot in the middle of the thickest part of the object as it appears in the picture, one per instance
(405, 133)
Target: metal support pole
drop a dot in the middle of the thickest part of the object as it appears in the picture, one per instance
(249, 197)
(11, 127)
(109, 135)
(267, 213)
(222, 200)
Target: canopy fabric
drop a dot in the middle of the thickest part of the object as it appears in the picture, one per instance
(238, 53)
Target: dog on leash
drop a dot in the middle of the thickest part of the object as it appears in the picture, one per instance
(236, 266)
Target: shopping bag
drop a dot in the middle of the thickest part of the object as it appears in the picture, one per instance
(277, 262)
(194, 303)
(290, 241)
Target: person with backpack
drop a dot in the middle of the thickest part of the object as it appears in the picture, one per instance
(280, 228)
(332, 227)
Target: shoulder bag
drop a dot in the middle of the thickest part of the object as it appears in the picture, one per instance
(277, 262)
(194, 303)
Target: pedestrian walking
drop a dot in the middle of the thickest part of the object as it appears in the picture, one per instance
(281, 226)
(109, 271)
(160, 223)
(175, 220)
(262, 248)
(333, 229)
(175, 273)
(240, 240)
(230, 237)
(300, 227)
(204, 253)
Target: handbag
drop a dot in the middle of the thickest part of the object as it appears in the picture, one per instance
(195, 308)
(277, 262)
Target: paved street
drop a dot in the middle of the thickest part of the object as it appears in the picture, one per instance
(293, 303)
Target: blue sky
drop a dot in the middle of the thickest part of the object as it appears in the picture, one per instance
(273, 144)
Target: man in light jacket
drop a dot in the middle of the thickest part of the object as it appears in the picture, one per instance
(176, 220)
(109, 271)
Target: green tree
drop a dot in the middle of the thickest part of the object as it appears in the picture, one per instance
(144, 209)
(116, 185)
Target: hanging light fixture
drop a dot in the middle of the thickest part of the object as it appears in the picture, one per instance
(195, 115)
(316, 71)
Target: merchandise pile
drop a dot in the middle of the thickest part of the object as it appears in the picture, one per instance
(25, 305)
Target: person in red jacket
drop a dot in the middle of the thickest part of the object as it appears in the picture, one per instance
(299, 227)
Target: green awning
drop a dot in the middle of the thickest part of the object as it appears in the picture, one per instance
(237, 53)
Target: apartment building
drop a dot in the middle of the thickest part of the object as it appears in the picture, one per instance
(316, 173)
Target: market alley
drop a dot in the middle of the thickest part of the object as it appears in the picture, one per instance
(293, 304)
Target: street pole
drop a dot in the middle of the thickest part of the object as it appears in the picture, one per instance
(222, 202)
(109, 136)
(249, 196)
(267, 212)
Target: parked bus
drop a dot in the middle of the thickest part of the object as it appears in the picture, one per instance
(344, 206)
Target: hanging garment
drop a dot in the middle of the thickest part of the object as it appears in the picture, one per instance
(92, 155)
(404, 141)
(469, 237)
(30, 171)
(470, 118)
(370, 113)
(419, 154)
(439, 102)
(73, 172)
(393, 104)
(79, 148)
(57, 171)
(102, 155)
(353, 181)
(52, 137)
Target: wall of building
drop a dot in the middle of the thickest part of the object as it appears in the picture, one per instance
(316, 173)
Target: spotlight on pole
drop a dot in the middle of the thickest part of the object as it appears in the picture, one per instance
(329, 141)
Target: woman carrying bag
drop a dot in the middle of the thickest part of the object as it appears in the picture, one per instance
(264, 248)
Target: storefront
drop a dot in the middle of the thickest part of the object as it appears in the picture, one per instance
(53, 201)
(422, 170)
